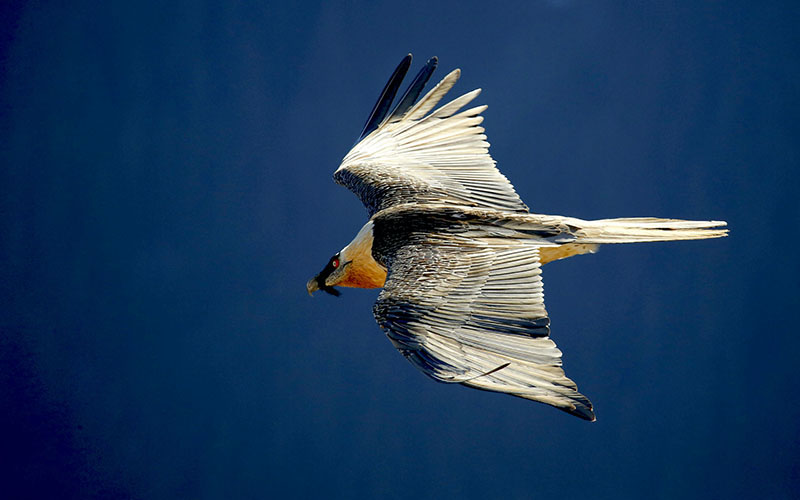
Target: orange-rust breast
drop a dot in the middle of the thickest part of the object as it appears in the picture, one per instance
(362, 270)
(364, 275)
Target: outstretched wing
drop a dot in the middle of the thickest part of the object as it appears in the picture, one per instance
(471, 311)
(415, 155)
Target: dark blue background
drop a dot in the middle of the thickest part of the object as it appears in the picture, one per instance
(166, 192)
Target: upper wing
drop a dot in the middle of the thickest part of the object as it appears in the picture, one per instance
(471, 311)
(414, 155)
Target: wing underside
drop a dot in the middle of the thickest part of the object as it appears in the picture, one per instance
(471, 311)
(423, 156)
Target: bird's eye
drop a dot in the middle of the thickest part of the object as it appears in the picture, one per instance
(335, 262)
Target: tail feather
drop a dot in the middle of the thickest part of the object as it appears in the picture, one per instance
(644, 229)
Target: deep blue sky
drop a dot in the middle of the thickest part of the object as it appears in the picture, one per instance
(166, 193)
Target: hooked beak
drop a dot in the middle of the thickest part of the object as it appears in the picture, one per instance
(313, 285)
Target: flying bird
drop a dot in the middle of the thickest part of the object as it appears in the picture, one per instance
(458, 253)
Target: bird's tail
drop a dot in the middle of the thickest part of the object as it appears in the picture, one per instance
(643, 229)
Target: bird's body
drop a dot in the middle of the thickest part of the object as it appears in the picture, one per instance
(457, 252)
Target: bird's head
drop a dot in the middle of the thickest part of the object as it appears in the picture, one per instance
(353, 266)
(334, 272)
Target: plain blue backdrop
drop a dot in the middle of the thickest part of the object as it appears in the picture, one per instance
(166, 192)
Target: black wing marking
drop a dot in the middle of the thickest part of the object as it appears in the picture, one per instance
(381, 107)
(412, 93)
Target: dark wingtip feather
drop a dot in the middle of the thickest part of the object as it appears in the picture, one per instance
(414, 90)
(583, 408)
(381, 108)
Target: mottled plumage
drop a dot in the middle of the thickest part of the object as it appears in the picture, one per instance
(457, 252)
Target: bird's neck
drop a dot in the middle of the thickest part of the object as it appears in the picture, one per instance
(363, 271)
